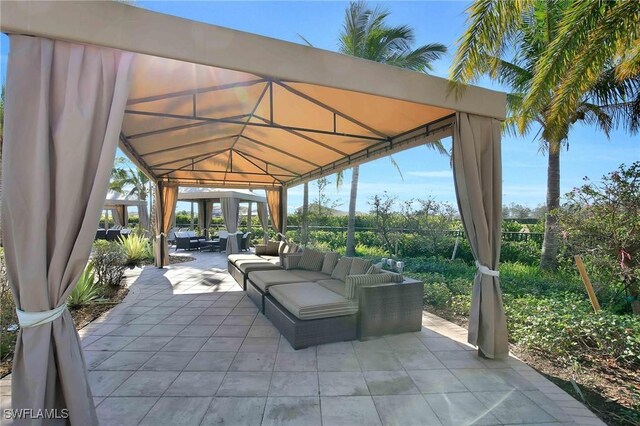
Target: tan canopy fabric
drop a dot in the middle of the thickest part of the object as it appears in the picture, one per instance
(263, 217)
(478, 179)
(230, 210)
(276, 200)
(121, 215)
(64, 109)
(166, 199)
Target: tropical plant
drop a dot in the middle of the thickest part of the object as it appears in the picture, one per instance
(86, 290)
(136, 248)
(528, 29)
(366, 34)
(125, 178)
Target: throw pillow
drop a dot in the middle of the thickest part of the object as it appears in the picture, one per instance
(272, 248)
(330, 260)
(282, 247)
(359, 266)
(342, 268)
(376, 268)
(311, 260)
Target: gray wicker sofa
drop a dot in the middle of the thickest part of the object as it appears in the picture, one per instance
(317, 298)
(266, 257)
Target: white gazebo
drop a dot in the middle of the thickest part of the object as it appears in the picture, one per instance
(193, 104)
(229, 200)
(119, 204)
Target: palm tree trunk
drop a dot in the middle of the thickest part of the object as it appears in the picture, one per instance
(351, 225)
(551, 243)
(305, 215)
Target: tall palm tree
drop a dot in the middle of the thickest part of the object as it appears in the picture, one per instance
(528, 30)
(125, 178)
(366, 34)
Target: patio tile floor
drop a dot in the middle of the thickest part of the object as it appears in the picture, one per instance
(188, 347)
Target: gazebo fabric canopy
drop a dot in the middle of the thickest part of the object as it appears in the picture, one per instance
(206, 106)
(114, 199)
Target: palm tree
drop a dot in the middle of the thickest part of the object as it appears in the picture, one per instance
(1, 140)
(124, 178)
(367, 35)
(528, 30)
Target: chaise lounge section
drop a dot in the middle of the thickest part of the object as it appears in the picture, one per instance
(267, 257)
(319, 299)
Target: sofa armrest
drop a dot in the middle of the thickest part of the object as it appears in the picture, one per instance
(353, 282)
(290, 260)
(261, 249)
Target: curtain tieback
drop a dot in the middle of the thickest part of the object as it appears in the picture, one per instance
(486, 271)
(160, 235)
(34, 319)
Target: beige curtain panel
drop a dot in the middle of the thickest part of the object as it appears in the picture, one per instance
(230, 211)
(166, 199)
(249, 216)
(120, 215)
(116, 217)
(478, 180)
(205, 214)
(263, 217)
(277, 203)
(143, 217)
(64, 108)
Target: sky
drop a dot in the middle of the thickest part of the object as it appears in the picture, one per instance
(425, 173)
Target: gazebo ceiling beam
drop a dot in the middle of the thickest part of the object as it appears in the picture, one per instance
(263, 125)
(169, 170)
(182, 127)
(189, 145)
(267, 163)
(263, 169)
(190, 157)
(219, 182)
(281, 151)
(193, 163)
(196, 91)
(136, 158)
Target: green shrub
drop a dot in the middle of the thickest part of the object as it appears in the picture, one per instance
(109, 261)
(86, 290)
(375, 253)
(437, 294)
(527, 252)
(136, 249)
(460, 286)
(461, 304)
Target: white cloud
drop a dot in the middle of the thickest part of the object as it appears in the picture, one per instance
(432, 174)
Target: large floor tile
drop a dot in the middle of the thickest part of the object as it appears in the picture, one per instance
(349, 411)
(436, 381)
(294, 384)
(210, 361)
(479, 379)
(422, 360)
(253, 361)
(103, 383)
(292, 411)
(124, 360)
(150, 344)
(235, 411)
(110, 343)
(181, 343)
(192, 383)
(245, 384)
(390, 383)
(124, 411)
(463, 408)
(338, 362)
(260, 344)
(95, 358)
(296, 361)
(177, 411)
(168, 361)
(405, 410)
(513, 407)
(146, 383)
(378, 361)
(342, 384)
(222, 344)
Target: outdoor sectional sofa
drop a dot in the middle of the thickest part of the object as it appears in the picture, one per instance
(315, 298)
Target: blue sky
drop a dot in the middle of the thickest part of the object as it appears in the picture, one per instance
(426, 173)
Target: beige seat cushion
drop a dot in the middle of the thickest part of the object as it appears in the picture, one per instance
(272, 259)
(336, 286)
(246, 256)
(265, 279)
(309, 300)
(246, 267)
(310, 275)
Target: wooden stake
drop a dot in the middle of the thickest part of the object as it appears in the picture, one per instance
(587, 283)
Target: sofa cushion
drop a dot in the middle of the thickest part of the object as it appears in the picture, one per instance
(272, 248)
(342, 268)
(310, 275)
(273, 259)
(311, 260)
(336, 286)
(359, 266)
(376, 268)
(265, 279)
(354, 281)
(248, 266)
(234, 257)
(281, 247)
(308, 300)
(329, 262)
